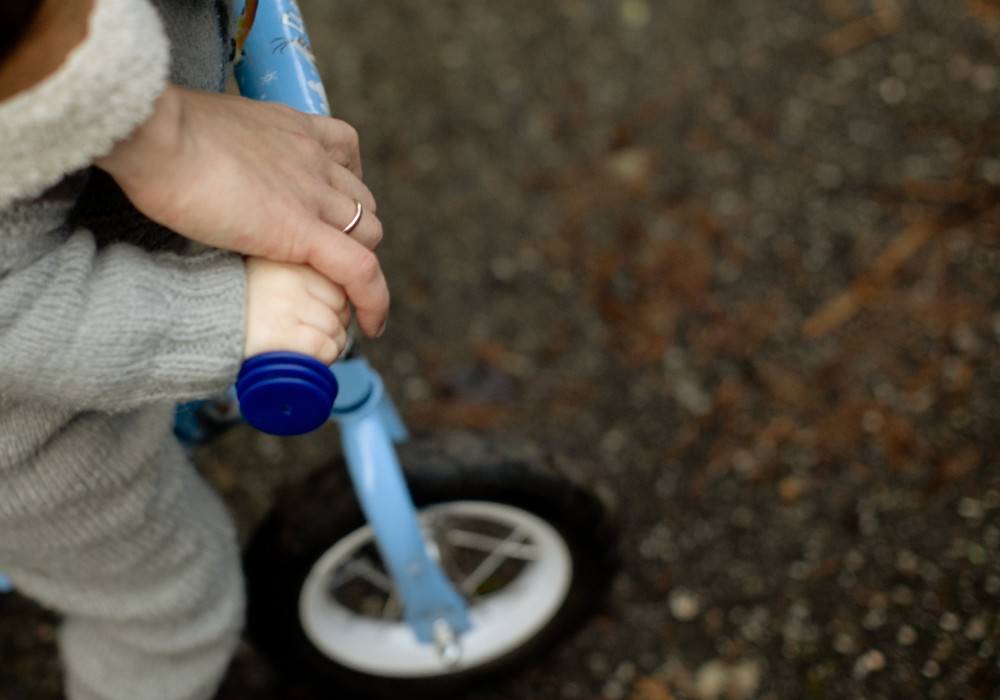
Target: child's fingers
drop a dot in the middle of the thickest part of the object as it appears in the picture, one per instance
(294, 308)
(344, 314)
(318, 344)
(330, 293)
(324, 318)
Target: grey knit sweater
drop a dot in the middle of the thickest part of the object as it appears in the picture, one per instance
(105, 322)
(100, 312)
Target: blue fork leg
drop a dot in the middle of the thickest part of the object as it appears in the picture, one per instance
(369, 428)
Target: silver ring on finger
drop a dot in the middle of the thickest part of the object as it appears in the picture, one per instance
(357, 218)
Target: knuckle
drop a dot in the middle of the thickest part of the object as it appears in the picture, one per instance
(377, 233)
(283, 109)
(311, 341)
(367, 266)
(280, 113)
(338, 294)
(306, 148)
(314, 151)
(332, 349)
(320, 347)
(350, 136)
(341, 136)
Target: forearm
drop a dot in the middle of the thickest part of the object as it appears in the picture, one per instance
(115, 328)
(35, 38)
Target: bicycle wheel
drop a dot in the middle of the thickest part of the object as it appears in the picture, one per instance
(530, 549)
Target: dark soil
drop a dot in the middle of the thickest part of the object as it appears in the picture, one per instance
(740, 258)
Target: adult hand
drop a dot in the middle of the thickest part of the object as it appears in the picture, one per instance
(261, 179)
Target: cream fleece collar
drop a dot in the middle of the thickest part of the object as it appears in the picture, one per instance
(102, 92)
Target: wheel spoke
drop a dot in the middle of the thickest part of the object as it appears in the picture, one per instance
(362, 568)
(393, 608)
(525, 551)
(488, 566)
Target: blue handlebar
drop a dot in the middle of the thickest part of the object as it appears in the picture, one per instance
(285, 393)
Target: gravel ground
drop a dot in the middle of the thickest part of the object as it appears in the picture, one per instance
(744, 257)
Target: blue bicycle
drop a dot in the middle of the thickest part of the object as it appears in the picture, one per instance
(451, 559)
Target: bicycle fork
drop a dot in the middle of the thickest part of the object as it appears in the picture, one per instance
(369, 427)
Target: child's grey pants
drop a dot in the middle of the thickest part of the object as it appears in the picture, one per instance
(110, 525)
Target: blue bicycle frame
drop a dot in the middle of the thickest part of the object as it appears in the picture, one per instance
(275, 63)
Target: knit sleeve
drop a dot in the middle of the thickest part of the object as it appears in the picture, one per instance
(90, 327)
(103, 90)
(111, 329)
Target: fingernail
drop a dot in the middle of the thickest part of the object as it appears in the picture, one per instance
(381, 330)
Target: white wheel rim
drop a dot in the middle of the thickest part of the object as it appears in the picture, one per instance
(502, 620)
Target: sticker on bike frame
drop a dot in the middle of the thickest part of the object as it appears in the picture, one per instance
(244, 25)
(277, 63)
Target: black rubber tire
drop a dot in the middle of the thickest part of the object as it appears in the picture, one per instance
(310, 519)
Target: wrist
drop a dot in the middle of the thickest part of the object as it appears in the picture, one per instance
(143, 151)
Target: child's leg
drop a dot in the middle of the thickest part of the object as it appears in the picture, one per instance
(137, 552)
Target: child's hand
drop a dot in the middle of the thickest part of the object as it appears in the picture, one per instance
(293, 307)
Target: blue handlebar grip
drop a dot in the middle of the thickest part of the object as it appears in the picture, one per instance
(285, 393)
